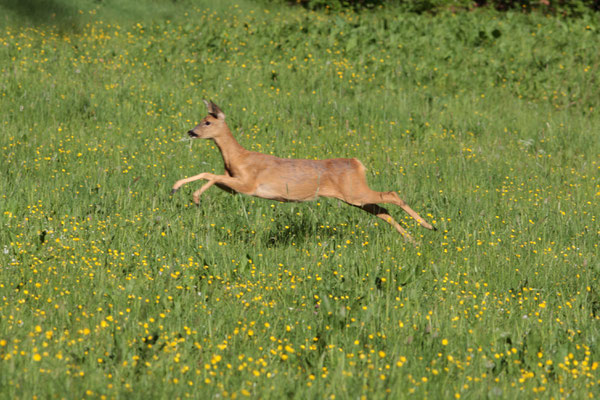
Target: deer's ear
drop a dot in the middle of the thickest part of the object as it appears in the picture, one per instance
(214, 110)
(217, 111)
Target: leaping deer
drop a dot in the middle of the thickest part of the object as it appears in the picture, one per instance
(273, 178)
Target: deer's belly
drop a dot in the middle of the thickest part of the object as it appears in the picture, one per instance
(282, 191)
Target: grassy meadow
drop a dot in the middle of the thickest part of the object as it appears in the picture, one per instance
(487, 124)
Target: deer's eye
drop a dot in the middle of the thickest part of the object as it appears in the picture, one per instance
(207, 123)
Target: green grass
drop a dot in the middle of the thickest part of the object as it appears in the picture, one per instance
(487, 125)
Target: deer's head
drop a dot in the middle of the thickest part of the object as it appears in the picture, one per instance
(212, 125)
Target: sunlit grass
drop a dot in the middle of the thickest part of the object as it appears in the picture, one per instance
(485, 123)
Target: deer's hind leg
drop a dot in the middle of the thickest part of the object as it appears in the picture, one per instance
(393, 198)
(382, 213)
(365, 195)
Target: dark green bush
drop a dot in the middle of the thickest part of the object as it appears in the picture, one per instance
(560, 7)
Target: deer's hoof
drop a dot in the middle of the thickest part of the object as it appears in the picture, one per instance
(173, 191)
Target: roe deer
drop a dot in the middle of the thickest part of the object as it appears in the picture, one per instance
(270, 177)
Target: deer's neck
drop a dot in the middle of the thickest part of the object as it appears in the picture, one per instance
(230, 149)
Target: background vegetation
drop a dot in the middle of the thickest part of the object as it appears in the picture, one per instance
(487, 124)
(555, 7)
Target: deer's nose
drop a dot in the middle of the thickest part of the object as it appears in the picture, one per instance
(192, 134)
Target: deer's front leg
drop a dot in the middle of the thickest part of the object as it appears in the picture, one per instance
(181, 182)
(197, 193)
(235, 184)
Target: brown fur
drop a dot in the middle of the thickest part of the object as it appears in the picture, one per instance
(270, 177)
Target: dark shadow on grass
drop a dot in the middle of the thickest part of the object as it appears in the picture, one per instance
(43, 12)
(297, 230)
